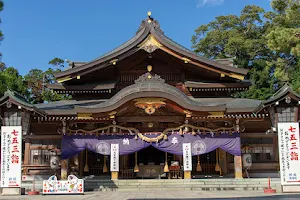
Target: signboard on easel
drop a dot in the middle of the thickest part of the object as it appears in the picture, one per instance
(114, 158)
(11, 156)
(187, 156)
(289, 151)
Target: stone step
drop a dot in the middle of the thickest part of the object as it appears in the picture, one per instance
(169, 184)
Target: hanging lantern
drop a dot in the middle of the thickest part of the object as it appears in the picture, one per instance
(104, 165)
(136, 167)
(166, 168)
(198, 168)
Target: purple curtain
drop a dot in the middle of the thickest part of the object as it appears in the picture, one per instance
(201, 144)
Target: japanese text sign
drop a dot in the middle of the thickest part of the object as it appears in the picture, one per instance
(288, 143)
(187, 156)
(114, 158)
(11, 156)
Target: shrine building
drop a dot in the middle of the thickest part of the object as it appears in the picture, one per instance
(151, 96)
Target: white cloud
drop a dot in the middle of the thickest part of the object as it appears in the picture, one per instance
(201, 3)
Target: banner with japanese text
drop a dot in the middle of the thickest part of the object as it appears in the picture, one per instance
(114, 158)
(288, 142)
(11, 155)
(187, 156)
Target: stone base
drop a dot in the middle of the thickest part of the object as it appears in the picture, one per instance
(291, 188)
(11, 191)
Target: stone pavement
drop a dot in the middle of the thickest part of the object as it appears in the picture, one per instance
(202, 195)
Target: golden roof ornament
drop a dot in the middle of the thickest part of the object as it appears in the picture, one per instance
(149, 68)
(149, 17)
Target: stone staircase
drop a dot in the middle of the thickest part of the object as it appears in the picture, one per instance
(171, 184)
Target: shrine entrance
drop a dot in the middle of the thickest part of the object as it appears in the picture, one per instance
(207, 167)
(151, 164)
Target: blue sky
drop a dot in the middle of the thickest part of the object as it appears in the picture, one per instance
(37, 31)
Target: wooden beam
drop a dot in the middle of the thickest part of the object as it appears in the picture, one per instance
(150, 119)
(40, 137)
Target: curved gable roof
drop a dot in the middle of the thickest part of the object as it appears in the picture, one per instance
(150, 87)
(131, 46)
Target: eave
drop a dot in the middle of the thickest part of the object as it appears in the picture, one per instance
(194, 86)
(16, 99)
(151, 31)
(97, 87)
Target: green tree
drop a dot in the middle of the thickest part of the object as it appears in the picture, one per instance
(242, 38)
(266, 43)
(37, 81)
(284, 40)
(11, 79)
(56, 62)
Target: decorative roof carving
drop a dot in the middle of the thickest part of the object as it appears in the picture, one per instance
(150, 44)
(149, 105)
(148, 77)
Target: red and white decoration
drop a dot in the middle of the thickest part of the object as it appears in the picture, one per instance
(11, 156)
(72, 185)
(288, 141)
(187, 156)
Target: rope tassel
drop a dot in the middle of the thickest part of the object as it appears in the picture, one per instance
(166, 168)
(198, 168)
(86, 167)
(104, 165)
(136, 167)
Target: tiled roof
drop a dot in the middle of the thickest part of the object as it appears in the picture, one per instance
(144, 30)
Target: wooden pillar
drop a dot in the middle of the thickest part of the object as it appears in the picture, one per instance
(27, 152)
(81, 164)
(114, 175)
(187, 175)
(222, 162)
(64, 169)
(238, 167)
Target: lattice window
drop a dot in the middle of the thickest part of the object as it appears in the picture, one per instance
(40, 157)
(12, 118)
(286, 114)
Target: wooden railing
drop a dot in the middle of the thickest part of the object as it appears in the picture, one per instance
(207, 169)
(127, 174)
(38, 169)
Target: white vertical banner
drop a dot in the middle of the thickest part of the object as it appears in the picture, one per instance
(114, 157)
(187, 156)
(11, 156)
(288, 143)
